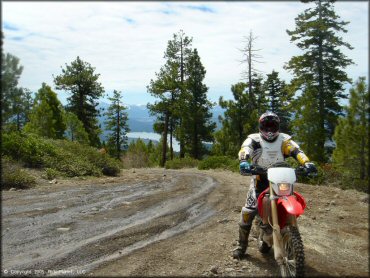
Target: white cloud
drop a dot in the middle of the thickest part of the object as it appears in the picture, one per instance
(125, 41)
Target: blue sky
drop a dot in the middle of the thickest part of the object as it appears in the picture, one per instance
(125, 41)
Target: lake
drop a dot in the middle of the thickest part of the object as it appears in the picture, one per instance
(153, 136)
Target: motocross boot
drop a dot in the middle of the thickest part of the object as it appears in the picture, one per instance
(244, 231)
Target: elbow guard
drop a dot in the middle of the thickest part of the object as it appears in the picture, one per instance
(290, 148)
(300, 156)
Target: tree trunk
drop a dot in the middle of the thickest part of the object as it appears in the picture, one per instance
(80, 113)
(250, 75)
(118, 133)
(171, 138)
(164, 145)
(322, 138)
(18, 122)
(171, 126)
(182, 144)
(362, 159)
(195, 142)
(240, 124)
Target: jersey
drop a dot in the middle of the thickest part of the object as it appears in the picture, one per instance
(266, 153)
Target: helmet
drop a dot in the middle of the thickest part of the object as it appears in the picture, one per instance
(269, 124)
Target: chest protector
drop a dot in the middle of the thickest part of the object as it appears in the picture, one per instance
(271, 152)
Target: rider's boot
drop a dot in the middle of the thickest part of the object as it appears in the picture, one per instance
(244, 231)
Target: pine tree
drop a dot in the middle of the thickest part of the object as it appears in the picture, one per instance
(11, 71)
(165, 89)
(236, 114)
(279, 99)
(117, 123)
(46, 117)
(196, 115)
(177, 54)
(303, 124)
(22, 103)
(224, 142)
(169, 89)
(16, 102)
(351, 155)
(239, 119)
(261, 104)
(318, 73)
(27, 104)
(241, 115)
(75, 130)
(80, 79)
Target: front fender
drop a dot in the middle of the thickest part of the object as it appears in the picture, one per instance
(294, 204)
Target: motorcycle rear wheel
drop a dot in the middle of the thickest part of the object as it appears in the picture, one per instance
(293, 265)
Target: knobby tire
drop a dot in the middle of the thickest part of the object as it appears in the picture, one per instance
(293, 238)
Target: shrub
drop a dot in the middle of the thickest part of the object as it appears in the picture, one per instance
(111, 167)
(61, 156)
(334, 177)
(329, 176)
(14, 177)
(178, 163)
(51, 173)
(135, 160)
(27, 148)
(222, 162)
(75, 159)
(140, 155)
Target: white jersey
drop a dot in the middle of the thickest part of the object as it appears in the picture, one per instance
(262, 152)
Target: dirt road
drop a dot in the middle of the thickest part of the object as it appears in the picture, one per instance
(152, 222)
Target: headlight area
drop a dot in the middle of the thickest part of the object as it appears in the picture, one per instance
(284, 189)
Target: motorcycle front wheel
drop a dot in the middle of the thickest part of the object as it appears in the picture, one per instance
(293, 265)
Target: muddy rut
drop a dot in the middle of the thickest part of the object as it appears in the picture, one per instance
(79, 227)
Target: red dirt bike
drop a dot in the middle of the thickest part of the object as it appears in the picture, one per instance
(279, 206)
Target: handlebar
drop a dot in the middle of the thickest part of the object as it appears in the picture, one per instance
(260, 170)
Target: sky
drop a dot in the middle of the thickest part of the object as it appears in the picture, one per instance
(125, 41)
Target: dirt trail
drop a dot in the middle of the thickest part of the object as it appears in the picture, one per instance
(152, 222)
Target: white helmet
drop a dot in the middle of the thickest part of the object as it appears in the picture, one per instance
(269, 125)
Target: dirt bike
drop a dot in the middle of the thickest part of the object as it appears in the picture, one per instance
(279, 206)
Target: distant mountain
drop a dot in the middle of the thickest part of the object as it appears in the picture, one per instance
(139, 119)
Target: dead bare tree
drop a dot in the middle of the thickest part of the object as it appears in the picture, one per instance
(250, 57)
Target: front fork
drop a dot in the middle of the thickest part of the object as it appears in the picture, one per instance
(279, 250)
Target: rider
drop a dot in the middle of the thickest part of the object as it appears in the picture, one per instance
(264, 148)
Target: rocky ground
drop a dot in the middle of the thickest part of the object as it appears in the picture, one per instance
(155, 222)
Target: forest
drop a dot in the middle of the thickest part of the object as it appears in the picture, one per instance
(329, 122)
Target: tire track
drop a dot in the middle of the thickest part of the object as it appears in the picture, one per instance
(100, 223)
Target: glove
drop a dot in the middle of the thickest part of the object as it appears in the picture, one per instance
(310, 168)
(244, 167)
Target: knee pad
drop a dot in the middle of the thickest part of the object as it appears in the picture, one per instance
(247, 216)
